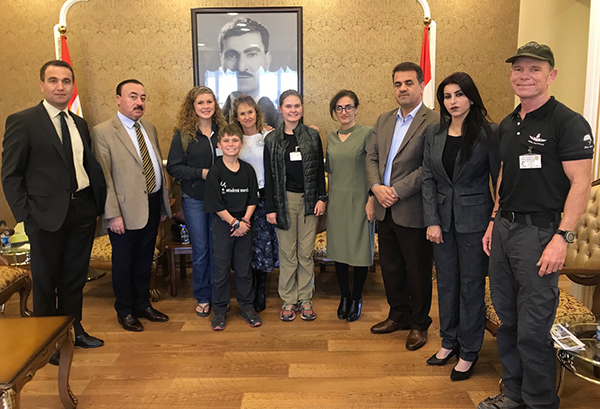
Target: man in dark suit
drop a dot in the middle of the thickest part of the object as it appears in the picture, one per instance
(54, 184)
(394, 173)
(137, 198)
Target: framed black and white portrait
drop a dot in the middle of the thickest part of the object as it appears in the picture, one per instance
(254, 51)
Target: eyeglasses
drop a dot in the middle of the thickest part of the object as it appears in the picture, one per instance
(347, 108)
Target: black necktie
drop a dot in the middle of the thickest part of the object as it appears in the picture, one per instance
(68, 150)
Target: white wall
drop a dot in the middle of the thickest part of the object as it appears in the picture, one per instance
(564, 26)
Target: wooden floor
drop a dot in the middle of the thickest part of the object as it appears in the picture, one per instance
(322, 364)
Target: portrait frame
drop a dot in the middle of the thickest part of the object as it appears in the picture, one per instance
(213, 67)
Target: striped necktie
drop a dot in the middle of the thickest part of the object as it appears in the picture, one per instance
(146, 161)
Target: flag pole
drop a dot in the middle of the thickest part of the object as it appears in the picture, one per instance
(62, 51)
(431, 24)
(61, 28)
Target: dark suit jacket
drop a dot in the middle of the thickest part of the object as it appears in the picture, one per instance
(35, 177)
(406, 175)
(467, 197)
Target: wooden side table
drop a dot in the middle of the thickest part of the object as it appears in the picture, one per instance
(26, 346)
(174, 248)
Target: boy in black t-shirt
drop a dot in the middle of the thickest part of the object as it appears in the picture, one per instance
(232, 193)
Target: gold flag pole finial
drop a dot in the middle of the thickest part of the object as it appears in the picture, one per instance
(60, 29)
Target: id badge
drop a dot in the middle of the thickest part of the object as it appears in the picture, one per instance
(530, 161)
(219, 152)
(295, 156)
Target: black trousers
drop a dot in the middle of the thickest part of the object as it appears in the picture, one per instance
(406, 262)
(461, 267)
(60, 260)
(526, 304)
(132, 256)
(227, 252)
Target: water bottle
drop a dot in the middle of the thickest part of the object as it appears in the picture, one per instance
(6, 242)
(185, 236)
(598, 332)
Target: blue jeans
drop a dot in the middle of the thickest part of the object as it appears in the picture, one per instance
(199, 227)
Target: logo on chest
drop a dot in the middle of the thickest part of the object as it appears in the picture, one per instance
(537, 140)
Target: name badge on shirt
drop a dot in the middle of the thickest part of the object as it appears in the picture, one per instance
(219, 152)
(296, 156)
(530, 161)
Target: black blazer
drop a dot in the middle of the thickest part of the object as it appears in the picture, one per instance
(466, 200)
(35, 177)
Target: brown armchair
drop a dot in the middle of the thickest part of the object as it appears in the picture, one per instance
(13, 280)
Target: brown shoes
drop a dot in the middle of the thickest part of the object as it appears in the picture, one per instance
(416, 339)
(388, 326)
(130, 323)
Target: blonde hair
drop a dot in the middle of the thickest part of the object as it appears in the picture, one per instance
(187, 119)
(247, 99)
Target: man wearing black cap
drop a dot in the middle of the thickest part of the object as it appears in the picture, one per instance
(546, 151)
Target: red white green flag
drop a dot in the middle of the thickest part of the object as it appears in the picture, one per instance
(429, 92)
(74, 105)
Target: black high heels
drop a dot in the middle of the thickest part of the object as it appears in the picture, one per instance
(342, 311)
(461, 376)
(354, 310)
(434, 360)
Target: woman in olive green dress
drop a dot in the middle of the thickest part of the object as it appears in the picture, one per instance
(350, 212)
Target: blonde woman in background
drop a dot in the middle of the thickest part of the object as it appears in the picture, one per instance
(249, 117)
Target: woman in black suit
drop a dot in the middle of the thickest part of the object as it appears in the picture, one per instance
(460, 155)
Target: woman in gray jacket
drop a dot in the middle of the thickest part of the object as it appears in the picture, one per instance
(460, 155)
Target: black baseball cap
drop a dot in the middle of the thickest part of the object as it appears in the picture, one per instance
(534, 50)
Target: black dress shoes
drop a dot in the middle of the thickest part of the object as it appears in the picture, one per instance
(388, 326)
(131, 323)
(152, 314)
(461, 376)
(85, 340)
(416, 339)
(434, 360)
(354, 310)
(55, 358)
(342, 311)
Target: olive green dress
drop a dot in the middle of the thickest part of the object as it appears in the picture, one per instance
(350, 236)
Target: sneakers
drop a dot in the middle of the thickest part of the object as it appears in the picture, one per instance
(500, 401)
(218, 322)
(288, 312)
(251, 317)
(307, 312)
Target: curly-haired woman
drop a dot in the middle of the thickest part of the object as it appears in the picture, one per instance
(193, 151)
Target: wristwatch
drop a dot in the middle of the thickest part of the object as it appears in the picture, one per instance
(569, 236)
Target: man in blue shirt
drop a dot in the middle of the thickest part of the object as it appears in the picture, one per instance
(394, 173)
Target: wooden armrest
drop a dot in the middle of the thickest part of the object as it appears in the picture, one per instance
(587, 271)
(587, 276)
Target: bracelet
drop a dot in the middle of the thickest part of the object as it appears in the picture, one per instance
(491, 219)
(236, 225)
(247, 223)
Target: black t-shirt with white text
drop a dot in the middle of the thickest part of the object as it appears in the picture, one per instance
(231, 191)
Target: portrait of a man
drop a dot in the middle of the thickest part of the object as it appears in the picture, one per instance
(253, 51)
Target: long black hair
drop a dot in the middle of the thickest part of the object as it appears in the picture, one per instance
(476, 119)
